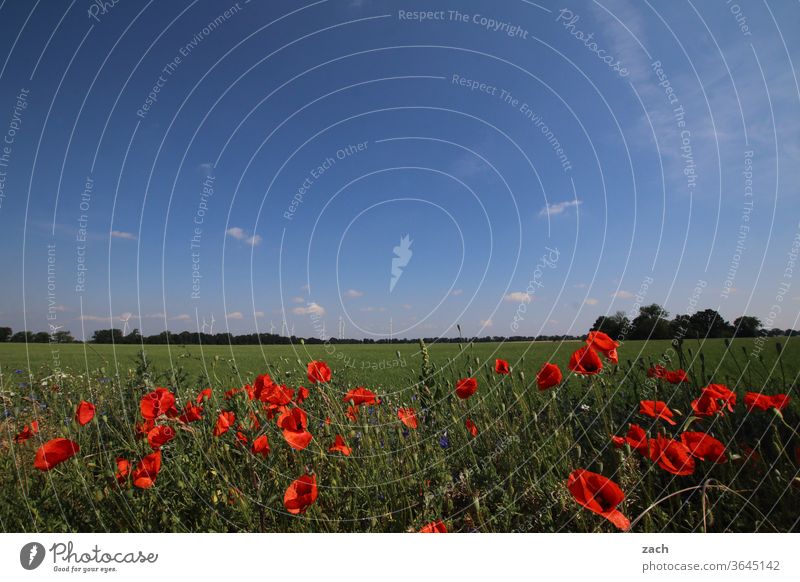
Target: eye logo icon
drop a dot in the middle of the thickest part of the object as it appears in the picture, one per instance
(31, 555)
(402, 256)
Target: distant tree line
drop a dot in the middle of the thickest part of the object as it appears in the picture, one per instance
(652, 322)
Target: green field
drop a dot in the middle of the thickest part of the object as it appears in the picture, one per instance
(389, 365)
(510, 476)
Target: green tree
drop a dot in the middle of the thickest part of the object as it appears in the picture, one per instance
(651, 323)
(747, 326)
(709, 324)
(614, 325)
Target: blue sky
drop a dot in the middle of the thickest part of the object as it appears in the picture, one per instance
(490, 138)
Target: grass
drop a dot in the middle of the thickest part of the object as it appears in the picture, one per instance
(511, 477)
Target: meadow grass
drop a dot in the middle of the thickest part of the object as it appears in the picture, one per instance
(511, 477)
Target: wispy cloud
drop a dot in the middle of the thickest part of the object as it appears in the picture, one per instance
(244, 236)
(487, 322)
(123, 235)
(310, 309)
(623, 295)
(456, 292)
(591, 301)
(373, 309)
(235, 315)
(518, 297)
(559, 207)
(181, 317)
(353, 294)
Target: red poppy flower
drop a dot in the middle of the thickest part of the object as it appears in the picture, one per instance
(434, 527)
(408, 416)
(657, 409)
(159, 436)
(466, 387)
(473, 430)
(339, 446)
(501, 367)
(84, 413)
(361, 395)
(274, 410)
(302, 394)
(636, 438)
(352, 413)
(191, 413)
(753, 400)
(242, 438)
(722, 393)
(279, 395)
(671, 455)
(27, 432)
(147, 470)
(585, 361)
(601, 342)
(657, 371)
(261, 446)
(294, 423)
(54, 452)
(232, 392)
(598, 494)
(123, 470)
(144, 427)
(262, 382)
(203, 395)
(156, 403)
(706, 406)
(704, 447)
(676, 377)
(549, 376)
(225, 421)
(318, 372)
(301, 494)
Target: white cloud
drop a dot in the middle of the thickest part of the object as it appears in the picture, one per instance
(123, 235)
(559, 207)
(298, 299)
(310, 309)
(518, 297)
(353, 294)
(591, 301)
(181, 317)
(260, 314)
(456, 292)
(623, 295)
(373, 309)
(235, 315)
(242, 235)
(487, 322)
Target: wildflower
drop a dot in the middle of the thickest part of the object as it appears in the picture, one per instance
(123, 469)
(408, 416)
(147, 470)
(294, 424)
(466, 387)
(704, 447)
(301, 494)
(598, 494)
(27, 432)
(84, 413)
(636, 438)
(54, 452)
(601, 342)
(318, 372)
(159, 436)
(156, 403)
(361, 396)
(753, 400)
(473, 430)
(501, 367)
(657, 409)
(339, 446)
(671, 455)
(434, 527)
(261, 446)
(225, 421)
(585, 361)
(549, 376)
